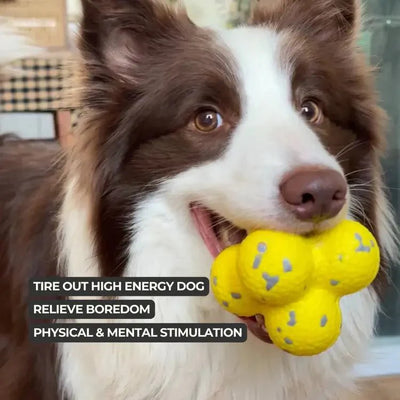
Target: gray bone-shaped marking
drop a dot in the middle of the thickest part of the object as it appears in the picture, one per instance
(257, 261)
(292, 321)
(324, 321)
(287, 265)
(271, 280)
(361, 248)
(261, 248)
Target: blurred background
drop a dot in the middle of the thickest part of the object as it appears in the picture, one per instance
(35, 104)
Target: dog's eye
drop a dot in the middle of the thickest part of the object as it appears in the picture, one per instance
(311, 112)
(208, 120)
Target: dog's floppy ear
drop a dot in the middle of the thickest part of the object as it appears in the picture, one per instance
(115, 34)
(321, 19)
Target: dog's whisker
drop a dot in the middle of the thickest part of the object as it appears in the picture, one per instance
(351, 146)
(362, 183)
(364, 190)
(357, 171)
(357, 206)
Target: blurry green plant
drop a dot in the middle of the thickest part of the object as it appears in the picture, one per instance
(232, 12)
(239, 12)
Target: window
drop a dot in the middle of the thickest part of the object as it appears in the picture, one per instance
(381, 39)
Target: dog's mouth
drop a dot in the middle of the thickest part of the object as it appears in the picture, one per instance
(218, 233)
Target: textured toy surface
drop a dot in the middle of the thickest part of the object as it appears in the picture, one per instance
(296, 282)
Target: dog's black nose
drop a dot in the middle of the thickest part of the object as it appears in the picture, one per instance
(314, 194)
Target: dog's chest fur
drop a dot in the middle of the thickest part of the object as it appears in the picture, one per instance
(248, 371)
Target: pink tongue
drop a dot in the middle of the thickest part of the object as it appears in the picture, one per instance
(203, 222)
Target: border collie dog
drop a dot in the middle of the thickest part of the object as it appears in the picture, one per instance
(190, 138)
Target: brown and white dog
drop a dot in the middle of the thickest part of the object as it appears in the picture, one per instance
(191, 137)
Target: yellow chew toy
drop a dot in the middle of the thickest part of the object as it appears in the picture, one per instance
(296, 282)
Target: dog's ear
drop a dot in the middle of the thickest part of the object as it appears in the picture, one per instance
(115, 34)
(322, 19)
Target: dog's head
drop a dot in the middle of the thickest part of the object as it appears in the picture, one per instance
(273, 125)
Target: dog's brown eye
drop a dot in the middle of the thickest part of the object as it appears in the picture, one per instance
(311, 112)
(208, 120)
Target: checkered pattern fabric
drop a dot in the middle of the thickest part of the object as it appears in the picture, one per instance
(39, 84)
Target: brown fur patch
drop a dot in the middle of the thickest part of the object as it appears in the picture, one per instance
(327, 67)
(29, 202)
(322, 20)
(138, 130)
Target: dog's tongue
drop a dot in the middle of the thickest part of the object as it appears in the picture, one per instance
(204, 226)
(203, 221)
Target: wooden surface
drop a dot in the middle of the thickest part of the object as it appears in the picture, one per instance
(43, 21)
(379, 389)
